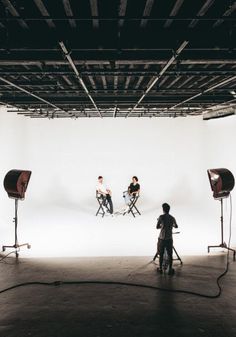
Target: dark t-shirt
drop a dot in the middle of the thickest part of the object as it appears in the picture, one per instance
(134, 188)
(166, 222)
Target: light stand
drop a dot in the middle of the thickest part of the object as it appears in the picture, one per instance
(15, 184)
(222, 183)
(16, 244)
(222, 244)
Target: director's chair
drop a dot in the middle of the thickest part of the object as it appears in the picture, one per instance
(132, 205)
(102, 204)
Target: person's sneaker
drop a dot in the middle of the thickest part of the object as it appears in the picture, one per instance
(160, 270)
(171, 271)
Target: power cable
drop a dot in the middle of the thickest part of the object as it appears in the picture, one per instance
(131, 284)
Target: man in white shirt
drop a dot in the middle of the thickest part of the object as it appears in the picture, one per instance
(105, 193)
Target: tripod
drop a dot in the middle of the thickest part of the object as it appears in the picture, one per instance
(222, 244)
(16, 245)
(178, 258)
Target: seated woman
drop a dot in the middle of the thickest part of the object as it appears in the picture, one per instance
(133, 191)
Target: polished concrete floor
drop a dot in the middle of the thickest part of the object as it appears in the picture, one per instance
(99, 310)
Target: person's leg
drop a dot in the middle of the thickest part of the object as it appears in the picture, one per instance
(127, 197)
(110, 203)
(161, 252)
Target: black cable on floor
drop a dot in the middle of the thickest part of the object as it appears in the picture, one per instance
(138, 285)
(5, 256)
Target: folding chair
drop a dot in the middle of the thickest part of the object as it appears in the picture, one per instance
(132, 205)
(100, 199)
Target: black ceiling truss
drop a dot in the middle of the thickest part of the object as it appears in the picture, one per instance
(120, 60)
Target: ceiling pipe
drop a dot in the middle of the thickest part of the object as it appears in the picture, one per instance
(203, 92)
(71, 62)
(168, 64)
(30, 93)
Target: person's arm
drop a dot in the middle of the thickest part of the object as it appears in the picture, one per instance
(159, 220)
(137, 192)
(100, 192)
(129, 190)
(175, 223)
(108, 191)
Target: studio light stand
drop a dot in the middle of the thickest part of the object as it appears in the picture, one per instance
(222, 244)
(222, 182)
(15, 183)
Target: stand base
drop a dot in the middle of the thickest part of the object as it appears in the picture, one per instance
(223, 245)
(177, 258)
(16, 245)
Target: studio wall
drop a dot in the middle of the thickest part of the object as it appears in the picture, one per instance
(169, 155)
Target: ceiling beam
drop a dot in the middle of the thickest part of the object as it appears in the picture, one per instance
(173, 82)
(104, 82)
(141, 78)
(168, 64)
(185, 82)
(121, 12)
(94, 11)
(141, 71)
(23, 62)
(128, 78)
(12, 10)
(71, 62)
(174, 12)
(69, 12)
(43, 10)
(229, 11)
(90, 77)
(203, 92)
(29, 93)
(202, 12)
(146, 12)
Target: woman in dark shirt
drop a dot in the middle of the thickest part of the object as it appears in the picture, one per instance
(133, 190)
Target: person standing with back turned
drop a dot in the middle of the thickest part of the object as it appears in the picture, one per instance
(165, 223)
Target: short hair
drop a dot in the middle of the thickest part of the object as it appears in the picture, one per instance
(166, 207)
(136, 178)
(100, 177)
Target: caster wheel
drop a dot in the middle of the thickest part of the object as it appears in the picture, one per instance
(17, 255)
(3, 249)
(28, 246)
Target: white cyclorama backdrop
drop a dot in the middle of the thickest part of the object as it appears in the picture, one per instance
(170, 156)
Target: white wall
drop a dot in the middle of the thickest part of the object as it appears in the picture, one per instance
(170, 157)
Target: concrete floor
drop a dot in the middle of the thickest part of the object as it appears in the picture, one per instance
(114, 310)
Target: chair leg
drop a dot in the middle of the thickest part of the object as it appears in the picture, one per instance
(137, 211)
(100, 208)
(131, 207)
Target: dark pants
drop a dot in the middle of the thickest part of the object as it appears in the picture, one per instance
(168, 245)
(108, 198)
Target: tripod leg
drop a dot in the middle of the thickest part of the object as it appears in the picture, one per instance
(178, 257)
(154, 257)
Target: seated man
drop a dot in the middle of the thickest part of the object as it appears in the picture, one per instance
(105, 194)
(133, 190)
(166, 222)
